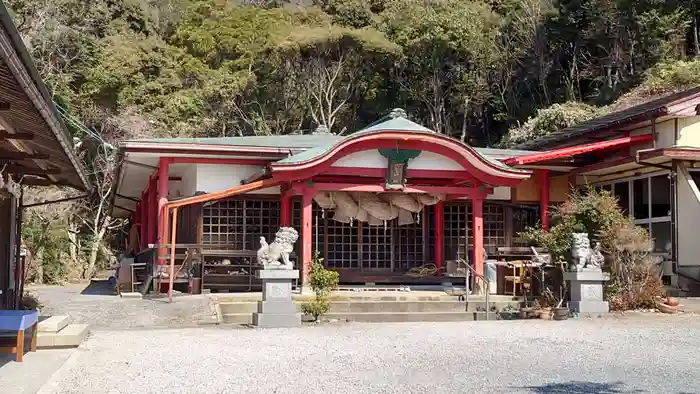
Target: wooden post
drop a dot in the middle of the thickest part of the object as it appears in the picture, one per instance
(162, 200)
(19, 356)
(285, 209)
(173, 237)
(439, 236)
(153, 215)
(544, 198)
(478, 234)
(35, 328)
(144, 219)
(306, 229)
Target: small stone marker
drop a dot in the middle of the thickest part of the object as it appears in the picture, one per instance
(586, 290)
(277, 308)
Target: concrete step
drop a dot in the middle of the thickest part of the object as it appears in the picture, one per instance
(475, 305)
(369, 296)
(54, 323)
(379, 317)
(238, 318)
(376, 317)
(228, 308)
(71, 335)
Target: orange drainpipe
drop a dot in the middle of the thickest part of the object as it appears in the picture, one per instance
(174, 205)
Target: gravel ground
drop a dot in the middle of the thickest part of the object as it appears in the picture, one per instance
(96, 306)
(630, 354)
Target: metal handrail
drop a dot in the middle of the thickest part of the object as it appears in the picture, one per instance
(467, 288)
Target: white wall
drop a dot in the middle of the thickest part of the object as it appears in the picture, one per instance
(215, 177)
(373, 159)
(188, 186)
(433, 161)
(665, 133)
(366, 158)
(687, 221)
(500, 193)
(689, 132)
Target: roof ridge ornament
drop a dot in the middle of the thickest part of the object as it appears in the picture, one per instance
(321, 129)
(398, 113)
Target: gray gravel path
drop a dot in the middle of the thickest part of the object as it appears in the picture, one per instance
(102, 311)
(649, 354)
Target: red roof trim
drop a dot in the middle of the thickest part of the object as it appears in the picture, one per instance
(467, 157)
(577, 150)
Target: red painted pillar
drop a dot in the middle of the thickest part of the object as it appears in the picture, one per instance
(439, 236)
(285, 209)
(544, 198)
(153, 216)
(144, 218)
(478, 234)
(136, 222)
(306, 235)
(159, 205)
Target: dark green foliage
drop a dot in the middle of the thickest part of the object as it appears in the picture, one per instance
(470, 69)
(322, 282)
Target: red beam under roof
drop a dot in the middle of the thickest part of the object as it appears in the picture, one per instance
(579, 149)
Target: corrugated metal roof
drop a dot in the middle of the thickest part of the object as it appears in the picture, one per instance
(303, 141)
(397, 124)
(631, 115)
(46, 121)
(314, 145)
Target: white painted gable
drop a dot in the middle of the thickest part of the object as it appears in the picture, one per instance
(373, 159)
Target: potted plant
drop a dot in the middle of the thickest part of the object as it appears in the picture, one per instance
(559, 311)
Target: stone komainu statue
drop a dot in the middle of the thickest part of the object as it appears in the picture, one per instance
(583, 255)
(276, 254)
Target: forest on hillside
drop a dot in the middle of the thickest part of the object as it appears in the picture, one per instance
(468, 69)
(488, 72)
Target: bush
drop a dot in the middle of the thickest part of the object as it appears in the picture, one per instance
(317, 307)
(550, 120)
(30, 302)
(633, 279)
(322, 282)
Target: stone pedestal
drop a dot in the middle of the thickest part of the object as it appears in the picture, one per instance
(277, 308)
(586, 291)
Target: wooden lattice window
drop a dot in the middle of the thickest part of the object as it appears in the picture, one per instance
(239, 223)
(523, 217)
(377, 246)
(494, 227)
(458, 229)
(343, 246)
(409, 245)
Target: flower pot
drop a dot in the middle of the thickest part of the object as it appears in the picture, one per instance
(195, 286)
(671, 301)
(560, 313)
(545, 314)
(665, 308)
(524, 313)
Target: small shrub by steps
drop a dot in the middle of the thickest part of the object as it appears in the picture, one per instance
(323, 282)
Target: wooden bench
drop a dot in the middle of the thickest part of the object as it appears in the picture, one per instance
(17, 322)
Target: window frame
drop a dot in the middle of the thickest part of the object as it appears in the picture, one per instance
(646, 223)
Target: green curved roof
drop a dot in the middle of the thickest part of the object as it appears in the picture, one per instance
(400, 123)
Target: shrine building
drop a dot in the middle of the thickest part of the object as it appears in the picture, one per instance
(396, 196)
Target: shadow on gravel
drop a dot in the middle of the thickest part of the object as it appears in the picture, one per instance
(581, 387)
(6, 358)
(99, 287)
